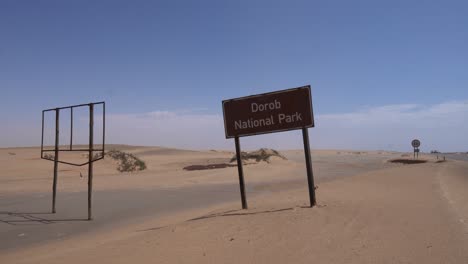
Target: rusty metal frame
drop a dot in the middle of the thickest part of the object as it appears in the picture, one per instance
(90, 148)
(57, 111)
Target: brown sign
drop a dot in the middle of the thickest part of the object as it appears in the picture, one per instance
(270, 112)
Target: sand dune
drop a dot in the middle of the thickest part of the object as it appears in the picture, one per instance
(370, 211)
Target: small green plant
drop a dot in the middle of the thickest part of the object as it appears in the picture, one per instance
(127, 162)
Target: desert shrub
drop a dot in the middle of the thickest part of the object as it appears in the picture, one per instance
(127, 162)
(49, 156)
(262, 154)
(95, 156)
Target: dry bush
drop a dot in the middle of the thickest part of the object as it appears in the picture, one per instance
(127, 162)
(262, 154)
(49, 156)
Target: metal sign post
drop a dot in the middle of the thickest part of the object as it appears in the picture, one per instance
(90, 150)
(241, 173)
(416, 144)
(268, 113)
(90, 159)
(56, 158)
(310, 174)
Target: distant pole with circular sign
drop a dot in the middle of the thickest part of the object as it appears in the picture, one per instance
(416, 144)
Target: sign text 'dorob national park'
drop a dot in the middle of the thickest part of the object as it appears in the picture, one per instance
(266, 113)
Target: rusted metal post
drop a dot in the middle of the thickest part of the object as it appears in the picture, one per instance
(90, 160)
(310, 175)
(71, 128)
(42, 137)
(103, 128)
(241, 173)
(56, 158)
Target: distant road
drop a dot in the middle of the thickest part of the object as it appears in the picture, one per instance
(454, 156)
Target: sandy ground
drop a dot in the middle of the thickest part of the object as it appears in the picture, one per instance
(370, 211)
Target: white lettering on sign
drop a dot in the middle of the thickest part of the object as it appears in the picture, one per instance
(269, 112)
(283, 118)
(250, 123)
(265, 107)
(255, 107)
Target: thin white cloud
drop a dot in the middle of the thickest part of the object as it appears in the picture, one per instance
(160, 115)
(441, 126)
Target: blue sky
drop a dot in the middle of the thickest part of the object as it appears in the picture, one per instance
(175, 61)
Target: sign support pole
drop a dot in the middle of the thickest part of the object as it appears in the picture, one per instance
(241, 173)
(71, 128)
(310, 175)
(56, 158)
(90, 159)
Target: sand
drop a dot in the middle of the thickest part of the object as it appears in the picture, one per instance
(369, 210)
